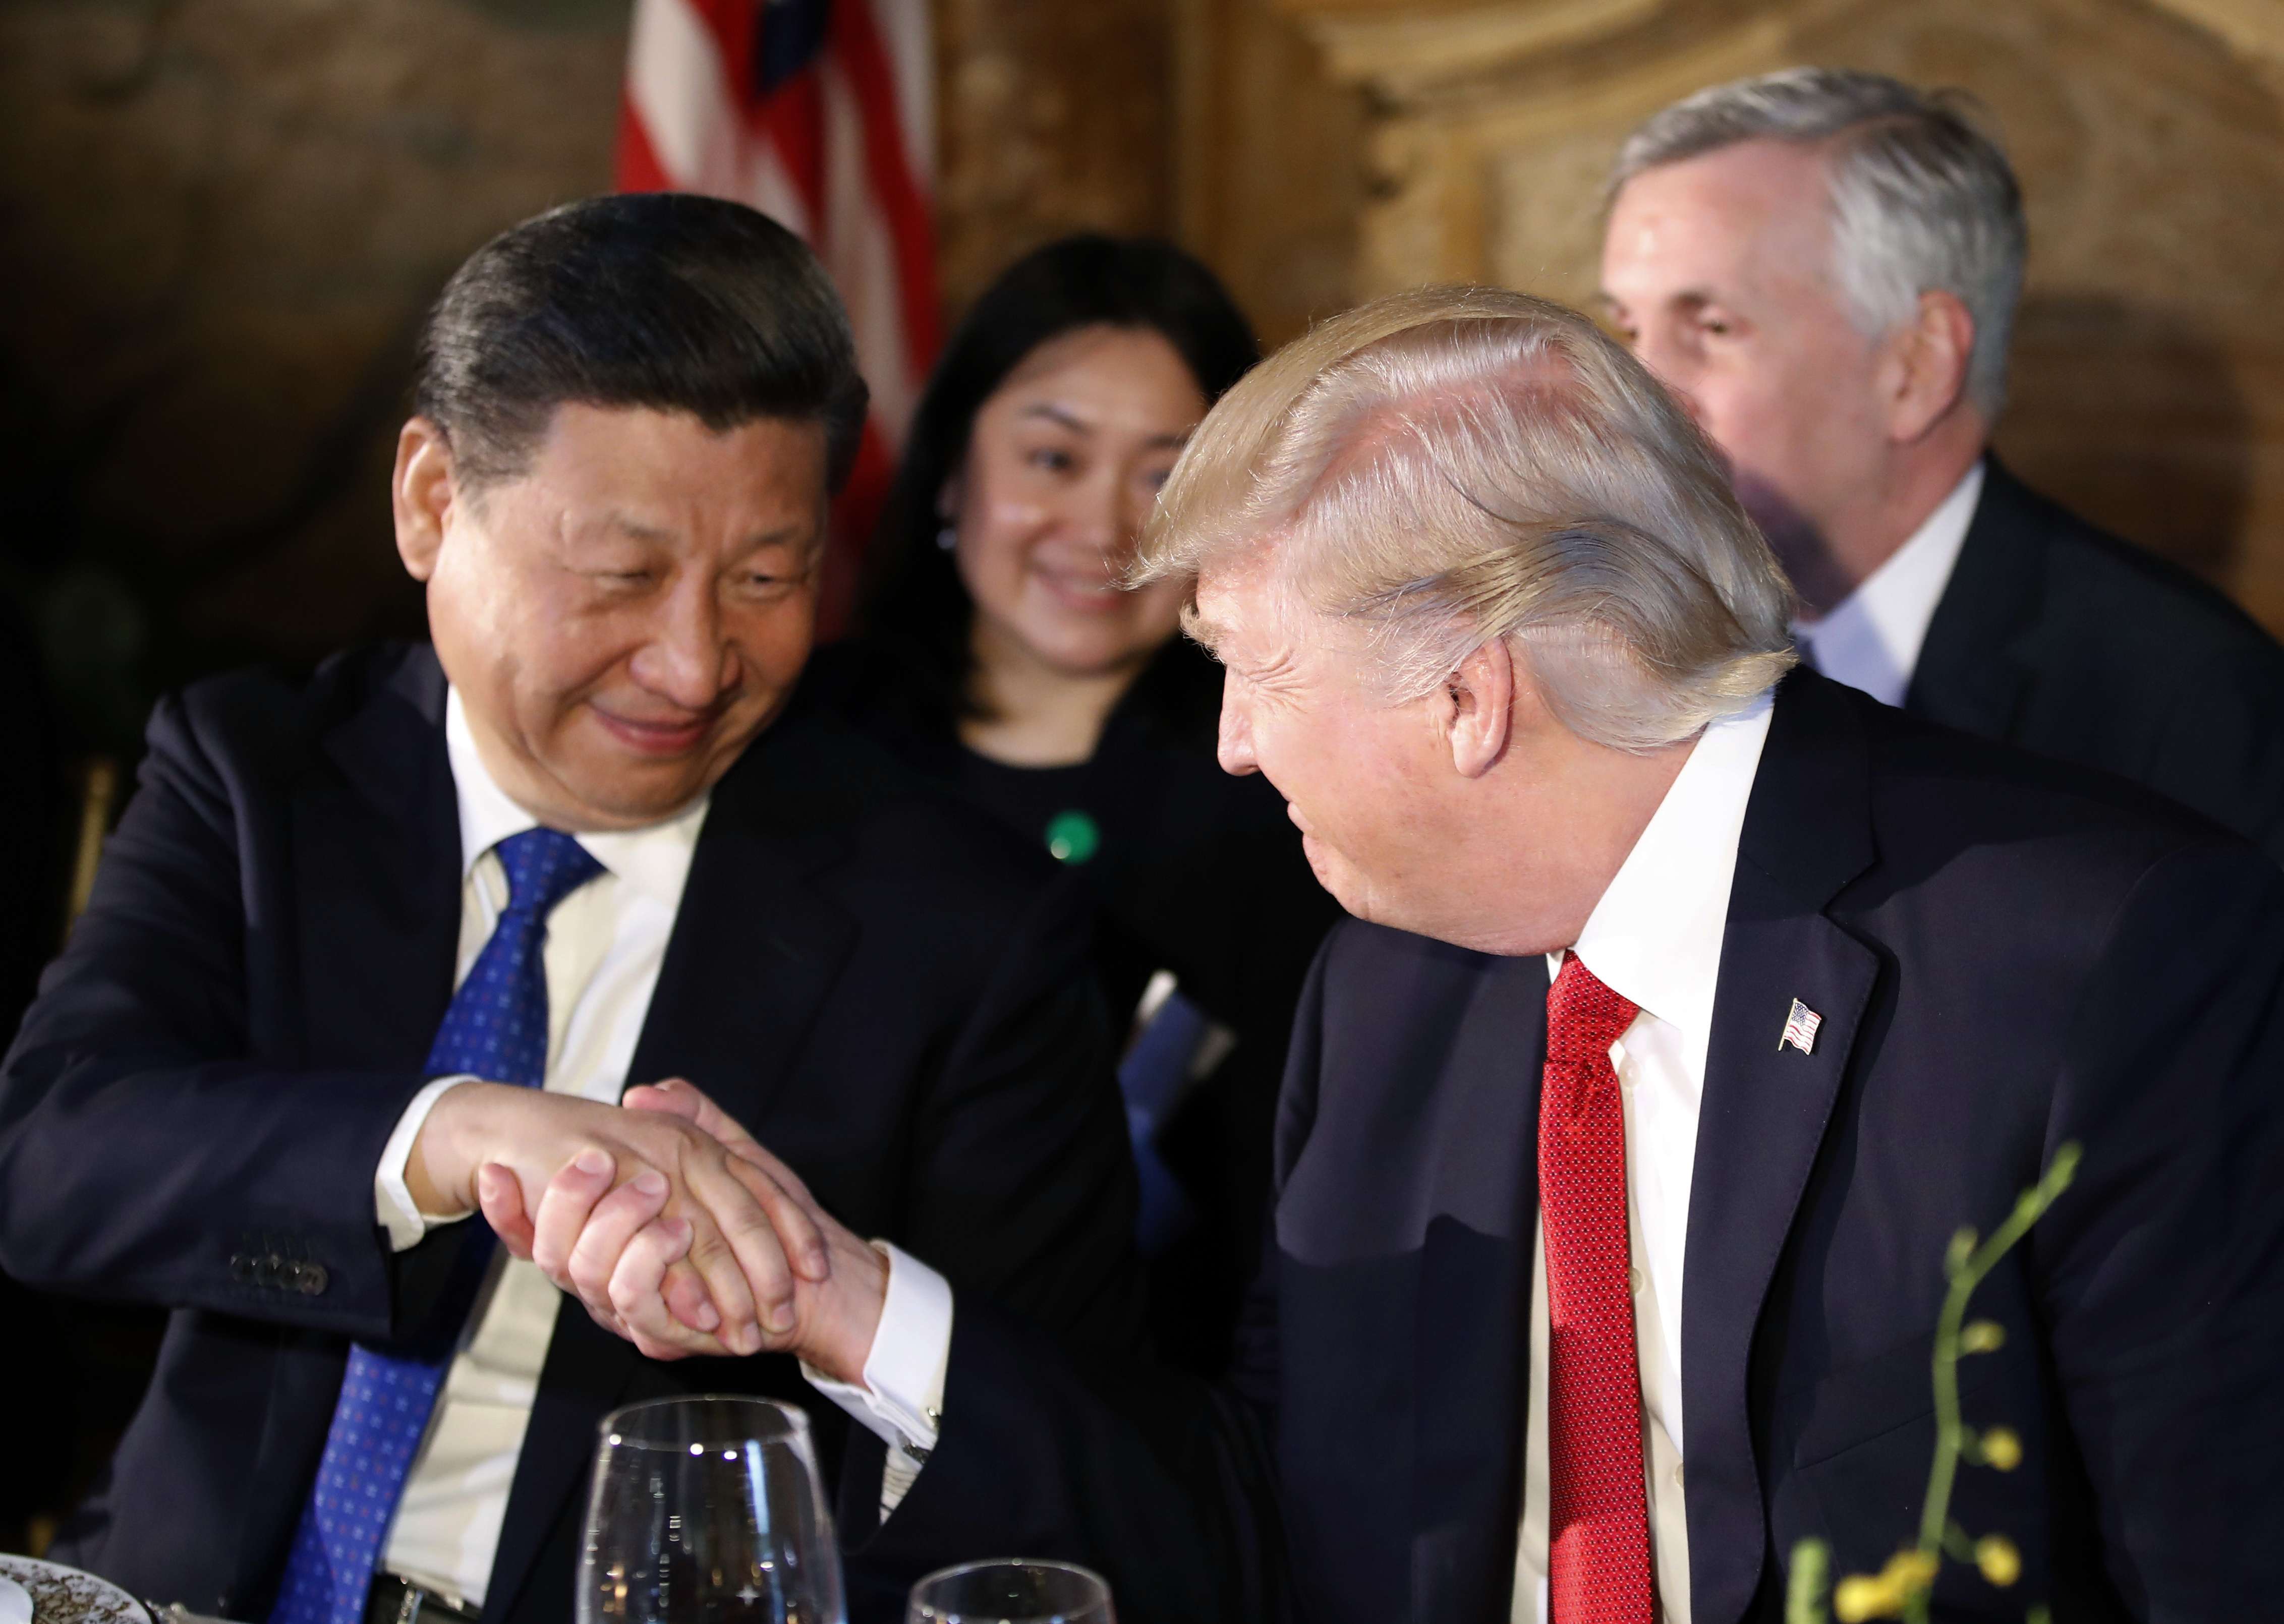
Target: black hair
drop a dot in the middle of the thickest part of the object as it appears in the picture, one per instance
(657, 299)
(917, 614)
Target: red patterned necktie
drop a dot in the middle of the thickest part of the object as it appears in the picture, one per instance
(1598, 1561)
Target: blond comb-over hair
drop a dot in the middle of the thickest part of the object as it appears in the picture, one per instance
(1451, 466)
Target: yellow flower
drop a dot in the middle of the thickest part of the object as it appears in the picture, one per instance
(2002, 1449)
(1857, 1598)
(1982, 1337)
(1860, 1597)
(2000, 1562)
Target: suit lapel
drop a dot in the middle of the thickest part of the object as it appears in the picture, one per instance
(755, 949)
(376, 852)
(1972, 670)
(368, 931)
(1765, 1108)
(1472, 1346)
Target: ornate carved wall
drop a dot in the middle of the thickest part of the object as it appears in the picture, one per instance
(1056, 118)
(1458, 141)
(220, 221)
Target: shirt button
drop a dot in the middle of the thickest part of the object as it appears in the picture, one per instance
(1635, 1281)
(1676, 1475)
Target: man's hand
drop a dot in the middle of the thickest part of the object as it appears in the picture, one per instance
(724, 1241)
(613, 1247)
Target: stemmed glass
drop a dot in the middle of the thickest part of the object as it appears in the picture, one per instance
(709, 1511)
(1018, 1591)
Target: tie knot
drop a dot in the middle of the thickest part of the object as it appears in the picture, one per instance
(1583, 1018)
(543, 866)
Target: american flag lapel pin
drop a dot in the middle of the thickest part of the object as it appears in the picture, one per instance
(1799, 1028)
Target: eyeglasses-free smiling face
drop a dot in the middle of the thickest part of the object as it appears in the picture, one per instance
(1063, 464)
(1717, 271)
(1468, 813)
(1360, 777)
(623, 616)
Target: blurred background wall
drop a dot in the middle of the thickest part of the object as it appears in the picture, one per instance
(221, 219)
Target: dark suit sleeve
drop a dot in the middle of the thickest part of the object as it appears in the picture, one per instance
(1148, 1475)
(2221, 751)
(2162, 1268)
(1022, 1184)
(142, 1148)
(1095, 1453)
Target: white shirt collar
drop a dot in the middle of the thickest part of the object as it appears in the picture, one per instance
(655, 858)
(1654, 937)
(1872, 638)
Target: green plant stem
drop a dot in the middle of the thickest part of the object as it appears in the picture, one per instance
(1966, 1272)
(1809, 1577)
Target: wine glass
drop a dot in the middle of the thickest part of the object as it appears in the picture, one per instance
(709, 1511)
(1020, 1591)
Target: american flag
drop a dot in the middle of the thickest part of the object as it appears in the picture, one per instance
(821, 114)
(1799, 1028)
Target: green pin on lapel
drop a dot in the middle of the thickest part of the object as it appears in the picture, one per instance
(1073, 837)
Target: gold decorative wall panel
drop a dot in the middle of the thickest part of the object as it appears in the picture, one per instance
(1055, 117)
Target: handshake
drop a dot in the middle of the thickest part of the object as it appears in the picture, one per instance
(661, 1214)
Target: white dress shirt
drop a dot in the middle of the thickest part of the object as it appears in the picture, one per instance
(605, 943)
(1654, 938)
(1872, 637)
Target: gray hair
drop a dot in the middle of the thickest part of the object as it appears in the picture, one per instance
(1922, 196)
(1450, 466)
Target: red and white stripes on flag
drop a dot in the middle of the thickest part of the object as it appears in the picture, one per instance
(821, 114)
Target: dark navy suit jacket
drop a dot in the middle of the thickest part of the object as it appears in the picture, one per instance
(2008, 955)
(2062, 639)
(880, 984)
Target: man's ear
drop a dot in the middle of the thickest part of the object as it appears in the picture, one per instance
(421, 494)
(1477, 710)
(1926, 365)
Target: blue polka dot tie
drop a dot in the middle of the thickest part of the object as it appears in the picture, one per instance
(496, 1029)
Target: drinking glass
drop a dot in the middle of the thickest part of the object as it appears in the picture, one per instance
(709, 1511)
(1017, 1591)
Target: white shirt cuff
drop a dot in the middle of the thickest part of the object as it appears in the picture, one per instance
(902, 1400)
(392, 1198)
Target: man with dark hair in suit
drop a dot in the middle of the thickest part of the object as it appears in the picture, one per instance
(1692, 1005)
(369, 946)
(1825, 264)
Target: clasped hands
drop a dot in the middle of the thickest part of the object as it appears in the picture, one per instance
(661, 1214)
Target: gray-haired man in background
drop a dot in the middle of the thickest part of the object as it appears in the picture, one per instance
(1824, 265)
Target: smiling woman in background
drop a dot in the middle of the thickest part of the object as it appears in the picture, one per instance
(997, 654)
